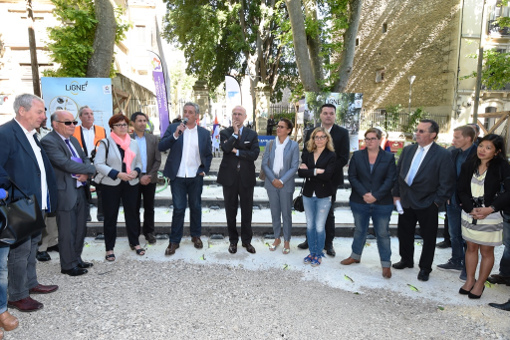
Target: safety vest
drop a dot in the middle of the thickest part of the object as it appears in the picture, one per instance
(99, 133)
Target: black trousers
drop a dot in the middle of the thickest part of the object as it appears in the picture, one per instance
(111, 203)
(428, 230)
(148, 192)
(232, 194)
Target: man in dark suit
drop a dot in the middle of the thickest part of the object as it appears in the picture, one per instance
(240, 147)
(25, 163)
(340, 138)
(425, 180)
(188, 162)
(72, 169)
(463, 138)
(151, 160)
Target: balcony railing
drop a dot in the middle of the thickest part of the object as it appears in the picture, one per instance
(494, 28)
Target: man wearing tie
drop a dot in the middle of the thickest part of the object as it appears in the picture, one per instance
(425, 181)
(72, 169)
(240, 147)
(26, 164)
(188, 162)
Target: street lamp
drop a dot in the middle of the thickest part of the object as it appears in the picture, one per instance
(411, 81)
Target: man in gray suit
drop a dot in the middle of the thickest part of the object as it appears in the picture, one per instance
(425, 181)
(151, 160)
(72, 170)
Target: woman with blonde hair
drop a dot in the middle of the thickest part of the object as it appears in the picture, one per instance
(317, 170)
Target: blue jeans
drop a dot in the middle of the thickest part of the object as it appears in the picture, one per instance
(504, 264)
(192, 188)
(453, 211)
(316, 211)
(4, 252)
(381, 219)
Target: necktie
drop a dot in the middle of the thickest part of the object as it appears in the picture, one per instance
(71, 148)
(415, 165)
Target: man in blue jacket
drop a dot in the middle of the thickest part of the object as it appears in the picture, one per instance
(188, 162)
(24, 161)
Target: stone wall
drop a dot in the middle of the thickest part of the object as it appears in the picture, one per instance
(421, 39)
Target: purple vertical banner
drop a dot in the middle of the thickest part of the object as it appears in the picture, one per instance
(159, 82)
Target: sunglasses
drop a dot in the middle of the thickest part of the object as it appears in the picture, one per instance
(68, 123)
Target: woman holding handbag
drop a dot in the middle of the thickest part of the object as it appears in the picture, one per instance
(483, 190)
(280, 163)
(317, 171)
(119, 165)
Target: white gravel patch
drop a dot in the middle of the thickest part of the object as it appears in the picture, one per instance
(211, 294)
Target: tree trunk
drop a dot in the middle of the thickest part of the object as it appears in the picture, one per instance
(314, 43)
(303, 62)
(100, 63)
(33, 50)
(347, 57)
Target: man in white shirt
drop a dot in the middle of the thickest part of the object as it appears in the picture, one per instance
(23, 161)
(188, 162)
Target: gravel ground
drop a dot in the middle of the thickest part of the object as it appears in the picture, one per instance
(210, 294)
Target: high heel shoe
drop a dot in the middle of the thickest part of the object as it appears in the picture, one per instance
(462, 291)
(273, 246)
(473, 296)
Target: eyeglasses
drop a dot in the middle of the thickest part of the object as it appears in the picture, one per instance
(420, 131)
(68, 123)
(120, 125)
(320, 137)
(280, 127)
(370, 139)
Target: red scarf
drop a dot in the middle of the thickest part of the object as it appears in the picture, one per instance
(129, 155)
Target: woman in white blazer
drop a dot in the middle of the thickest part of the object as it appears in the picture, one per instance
(119, 165)
(280, 163)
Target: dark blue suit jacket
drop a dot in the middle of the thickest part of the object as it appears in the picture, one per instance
(17, 161)
(433, 183)
(175, 145)
(379, 182)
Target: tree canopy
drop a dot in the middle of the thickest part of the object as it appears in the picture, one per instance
(82, 44)
(265, 39)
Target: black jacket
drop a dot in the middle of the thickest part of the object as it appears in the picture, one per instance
(321, 184)
(379, 182)
(498, 172)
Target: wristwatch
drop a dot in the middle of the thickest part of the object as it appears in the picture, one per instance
(493, 208)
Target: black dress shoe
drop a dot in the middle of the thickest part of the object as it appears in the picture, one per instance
(84, 265)
(423, 275)
(100, 218)
(249, 248)
(232, 249)
(330, 250)
(402, 265)
(503, 306)
(75, 271)
(444, 244)
(499, 279)
(303, 245)
(53, 248)
(150, 238)
(43, 256)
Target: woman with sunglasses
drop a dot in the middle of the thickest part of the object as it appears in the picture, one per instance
(280, 163)
(119, 164)
(483, 188)
(317, 170)
(372, 173)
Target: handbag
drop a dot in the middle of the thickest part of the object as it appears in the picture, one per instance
(262, 174)
(20, 218)
(298, 201)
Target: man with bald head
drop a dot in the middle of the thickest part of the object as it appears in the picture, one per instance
(240, 147)
(23, 161)
(72, 170)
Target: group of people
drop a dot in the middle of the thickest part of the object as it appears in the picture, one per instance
(472, 181)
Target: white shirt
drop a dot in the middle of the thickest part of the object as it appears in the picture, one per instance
(190, 159)
(40, 163)
(426, 149)
(88, 138)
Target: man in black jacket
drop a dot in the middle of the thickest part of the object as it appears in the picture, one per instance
(340, 138)
(240, 147)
